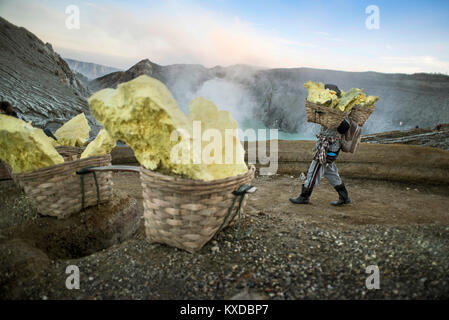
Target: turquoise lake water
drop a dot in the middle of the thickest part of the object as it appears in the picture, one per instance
(256, 125)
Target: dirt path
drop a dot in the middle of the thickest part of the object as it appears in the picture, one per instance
(374, 202)
(294, 251)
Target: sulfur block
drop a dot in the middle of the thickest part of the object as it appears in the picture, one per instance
(74, 132)
(318, 94)
(144, 114)
(102, 144)
(24, 147)
(220, 139)
(350, 99)
(369, 102)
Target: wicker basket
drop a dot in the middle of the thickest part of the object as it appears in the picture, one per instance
(70, 153)
(187, 213)
(328, 117)
(57, 190)
(5, 172)
(360, 114)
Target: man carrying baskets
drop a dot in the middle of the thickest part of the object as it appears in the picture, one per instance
(326, 150)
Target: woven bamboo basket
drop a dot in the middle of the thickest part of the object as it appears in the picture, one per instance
(328, 117)
(5, 172)
(186, 213)
(70, 153)
(360, 114)
(57, 190)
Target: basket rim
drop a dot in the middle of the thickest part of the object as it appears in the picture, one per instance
(71, 148)
(199, 182)
(359, 107)
(46, 170)
(329, 109)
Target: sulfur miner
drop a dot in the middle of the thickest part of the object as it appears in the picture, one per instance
(24, 147)
(144, 114)
(327, 149)
(329, 143)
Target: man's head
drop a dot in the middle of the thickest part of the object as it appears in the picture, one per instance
(333, 87)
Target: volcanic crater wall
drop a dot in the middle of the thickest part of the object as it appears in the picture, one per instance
(392, 162)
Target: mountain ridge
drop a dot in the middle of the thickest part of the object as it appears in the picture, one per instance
(43, 88)
(276, 96)
(89, 69)
(37, 81)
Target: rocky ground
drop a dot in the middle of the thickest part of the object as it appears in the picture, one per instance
(294, 252)
(437, 137)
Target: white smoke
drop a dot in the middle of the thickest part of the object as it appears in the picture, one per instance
(226, 95)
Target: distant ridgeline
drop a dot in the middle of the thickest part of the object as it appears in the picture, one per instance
(88, 69)
(43, 89)
(276, 96)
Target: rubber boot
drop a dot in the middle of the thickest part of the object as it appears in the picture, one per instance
(343, 196)
(304, 197)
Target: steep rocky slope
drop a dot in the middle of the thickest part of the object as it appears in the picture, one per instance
(37, 81)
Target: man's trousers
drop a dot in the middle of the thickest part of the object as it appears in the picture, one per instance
(316, 172)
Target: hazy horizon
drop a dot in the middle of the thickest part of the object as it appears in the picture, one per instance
(333, 35)
(248, 65)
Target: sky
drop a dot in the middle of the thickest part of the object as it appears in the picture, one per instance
(404, 37)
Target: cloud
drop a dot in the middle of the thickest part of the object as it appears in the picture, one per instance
(169, 32)
(196, 36)
(327, 36)
(413, 64)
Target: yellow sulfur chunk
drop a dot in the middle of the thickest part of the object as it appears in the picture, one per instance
(350, 99)
(102, 144)
(24, 147)
(217, 126)
(319, 95)
(369, 102)
(312, 85)
(73, 133)
(144, 114)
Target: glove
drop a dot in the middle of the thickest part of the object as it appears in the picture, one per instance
(343, 127)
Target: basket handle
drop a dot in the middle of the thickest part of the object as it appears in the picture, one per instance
(244, 189)
(319, 113)
(241, 191)
(109, 168)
